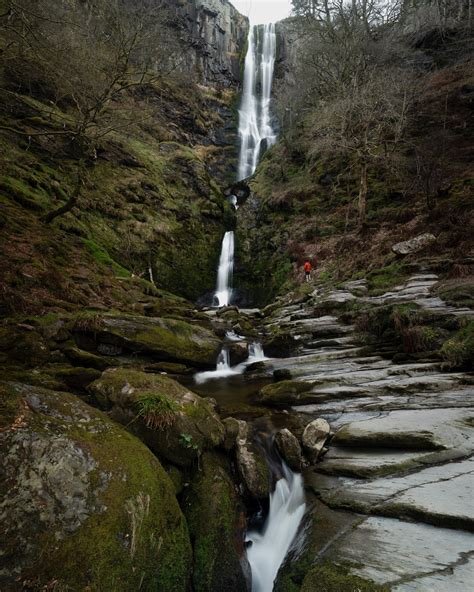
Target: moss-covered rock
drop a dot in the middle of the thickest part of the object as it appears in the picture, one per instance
(286, 392)
(162, 338)
(87, 503)
(252, 464)
(174, 422)
(330, 577)
(216, 522)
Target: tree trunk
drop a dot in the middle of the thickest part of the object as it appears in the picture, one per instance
(71, 202)
(362, 193)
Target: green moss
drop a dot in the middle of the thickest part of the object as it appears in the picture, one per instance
(214, 516)
(331, 577)
(134, 537)
(386, 277)
(21, 193)
(458, 352)
(101, 256)
(283, 392)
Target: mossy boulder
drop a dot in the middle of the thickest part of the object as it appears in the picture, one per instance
(85, 505)
(286, 392)
(21, 343)
(174, 422)
(280, 344)
(163, 339)
(216, 521)
(252, 465)
(289, 448)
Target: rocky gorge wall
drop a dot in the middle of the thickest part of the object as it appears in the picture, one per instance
(215, 35)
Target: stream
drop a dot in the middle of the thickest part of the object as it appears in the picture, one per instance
(267, 546)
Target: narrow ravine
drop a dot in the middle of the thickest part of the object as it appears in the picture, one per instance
(266, 548)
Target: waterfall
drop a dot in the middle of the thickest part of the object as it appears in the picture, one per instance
(224, 273)
(268, 548)
(256, 352)
(254, 115)
(255, 132)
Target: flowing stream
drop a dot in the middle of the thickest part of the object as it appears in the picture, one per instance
(268, 548)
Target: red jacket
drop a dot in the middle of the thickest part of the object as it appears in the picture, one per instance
(307, 267)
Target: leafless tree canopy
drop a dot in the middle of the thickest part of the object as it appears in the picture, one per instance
(351, 90)
(80, 58)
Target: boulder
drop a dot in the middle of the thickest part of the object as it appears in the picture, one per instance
(314, 437)
(289, 448)
(282, 374)
(286, 392)
(216, 521)
(161, 338)
(414, 244)
(232, 427)
(252, 465)
(238, 352)
(174, 422)
(89, 506)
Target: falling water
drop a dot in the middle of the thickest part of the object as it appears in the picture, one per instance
(269, 548)
(255, 127)
(224, 273)
(255, 132)
(256, 352)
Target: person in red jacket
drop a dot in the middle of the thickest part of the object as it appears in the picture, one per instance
(307, 270)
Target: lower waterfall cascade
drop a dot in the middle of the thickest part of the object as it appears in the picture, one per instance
(268, 548)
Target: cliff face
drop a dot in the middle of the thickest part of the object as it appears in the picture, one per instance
(215, 33)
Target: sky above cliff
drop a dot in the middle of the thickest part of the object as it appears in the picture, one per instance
(263, 11)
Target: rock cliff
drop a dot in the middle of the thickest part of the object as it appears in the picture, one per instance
(215, 33)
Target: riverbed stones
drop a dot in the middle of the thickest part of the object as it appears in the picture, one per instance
(85, 505)
(314, 437)
(174, 422)
(289, 448)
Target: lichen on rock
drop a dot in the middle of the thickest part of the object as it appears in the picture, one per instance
(89, 506)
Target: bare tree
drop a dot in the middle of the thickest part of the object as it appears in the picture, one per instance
(83, 58)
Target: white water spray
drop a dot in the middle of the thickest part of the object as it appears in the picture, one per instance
(255, 131)
(223, 292)
(269, 547)
(223, 367)
(254, 115)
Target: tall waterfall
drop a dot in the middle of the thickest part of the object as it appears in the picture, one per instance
(255, 127)
(269, 548)
(255, 131)
(224, 272)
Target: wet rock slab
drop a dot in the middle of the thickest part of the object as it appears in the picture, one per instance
(390, 551)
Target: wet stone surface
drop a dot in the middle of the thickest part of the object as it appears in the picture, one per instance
(400, 461)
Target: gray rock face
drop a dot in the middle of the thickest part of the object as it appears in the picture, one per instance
(289, 448)
(85, 496)
(394, 492)
(314, 437)
(251, 464)
(217, 33)
(414, 244)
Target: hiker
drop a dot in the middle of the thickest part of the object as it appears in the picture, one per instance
(307, 270)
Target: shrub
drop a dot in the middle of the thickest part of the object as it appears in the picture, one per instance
(157, 411)
(458, 352)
